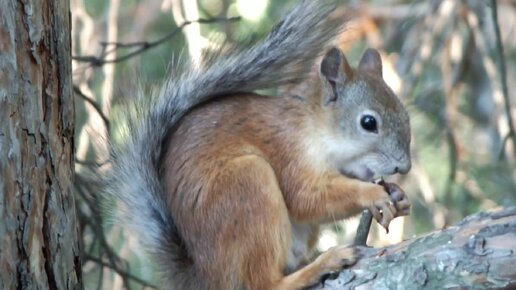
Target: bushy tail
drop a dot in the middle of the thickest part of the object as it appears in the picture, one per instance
(285, 56)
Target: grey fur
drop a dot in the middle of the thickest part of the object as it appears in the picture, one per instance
(285, 56)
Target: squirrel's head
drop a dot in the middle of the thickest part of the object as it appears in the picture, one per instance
(370, 134)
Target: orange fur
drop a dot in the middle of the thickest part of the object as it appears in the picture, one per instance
(237, 177)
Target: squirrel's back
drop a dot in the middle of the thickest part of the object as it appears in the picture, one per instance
(273, 128)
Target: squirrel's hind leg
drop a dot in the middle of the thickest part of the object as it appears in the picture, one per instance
(255, 237)
(259, 237)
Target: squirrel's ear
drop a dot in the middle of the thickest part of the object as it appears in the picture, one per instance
(371, 62)
(334, 69)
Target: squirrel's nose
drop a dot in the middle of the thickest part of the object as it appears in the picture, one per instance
(403, 168)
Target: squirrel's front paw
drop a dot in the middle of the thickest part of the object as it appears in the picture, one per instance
(398, 204)
(399, 198)
(383, 210)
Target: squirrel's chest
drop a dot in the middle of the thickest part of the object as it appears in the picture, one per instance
(303, 237)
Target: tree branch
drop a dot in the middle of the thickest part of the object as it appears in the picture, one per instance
(479, 251)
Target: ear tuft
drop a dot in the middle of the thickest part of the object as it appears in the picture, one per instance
(371, 62)
(330, 64)
(334, 70)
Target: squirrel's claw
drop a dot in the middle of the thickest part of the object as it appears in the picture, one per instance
(399, 205)
(399, 198)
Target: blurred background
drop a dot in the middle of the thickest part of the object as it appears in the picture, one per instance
(451, 62)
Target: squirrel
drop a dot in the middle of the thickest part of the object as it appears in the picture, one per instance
(227, 188)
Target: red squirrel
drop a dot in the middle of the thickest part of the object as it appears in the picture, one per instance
(227, 188)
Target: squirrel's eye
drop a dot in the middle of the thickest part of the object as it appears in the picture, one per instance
(368, 122)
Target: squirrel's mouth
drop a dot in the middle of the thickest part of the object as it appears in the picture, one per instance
(363, 173)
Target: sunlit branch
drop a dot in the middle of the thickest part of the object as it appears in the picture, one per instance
(145, 45)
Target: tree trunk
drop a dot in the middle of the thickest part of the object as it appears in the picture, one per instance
(39, 241)
(477, 253)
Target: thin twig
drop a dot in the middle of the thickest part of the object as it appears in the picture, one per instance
(363, 228)
(145, 45)
(95, 222)
(93, 104)
(450, 80)
(91, 164)
(117, 270)
(503, 75)
(505, 139)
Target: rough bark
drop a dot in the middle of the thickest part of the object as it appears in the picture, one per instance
(477, 253)
(39, 241)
